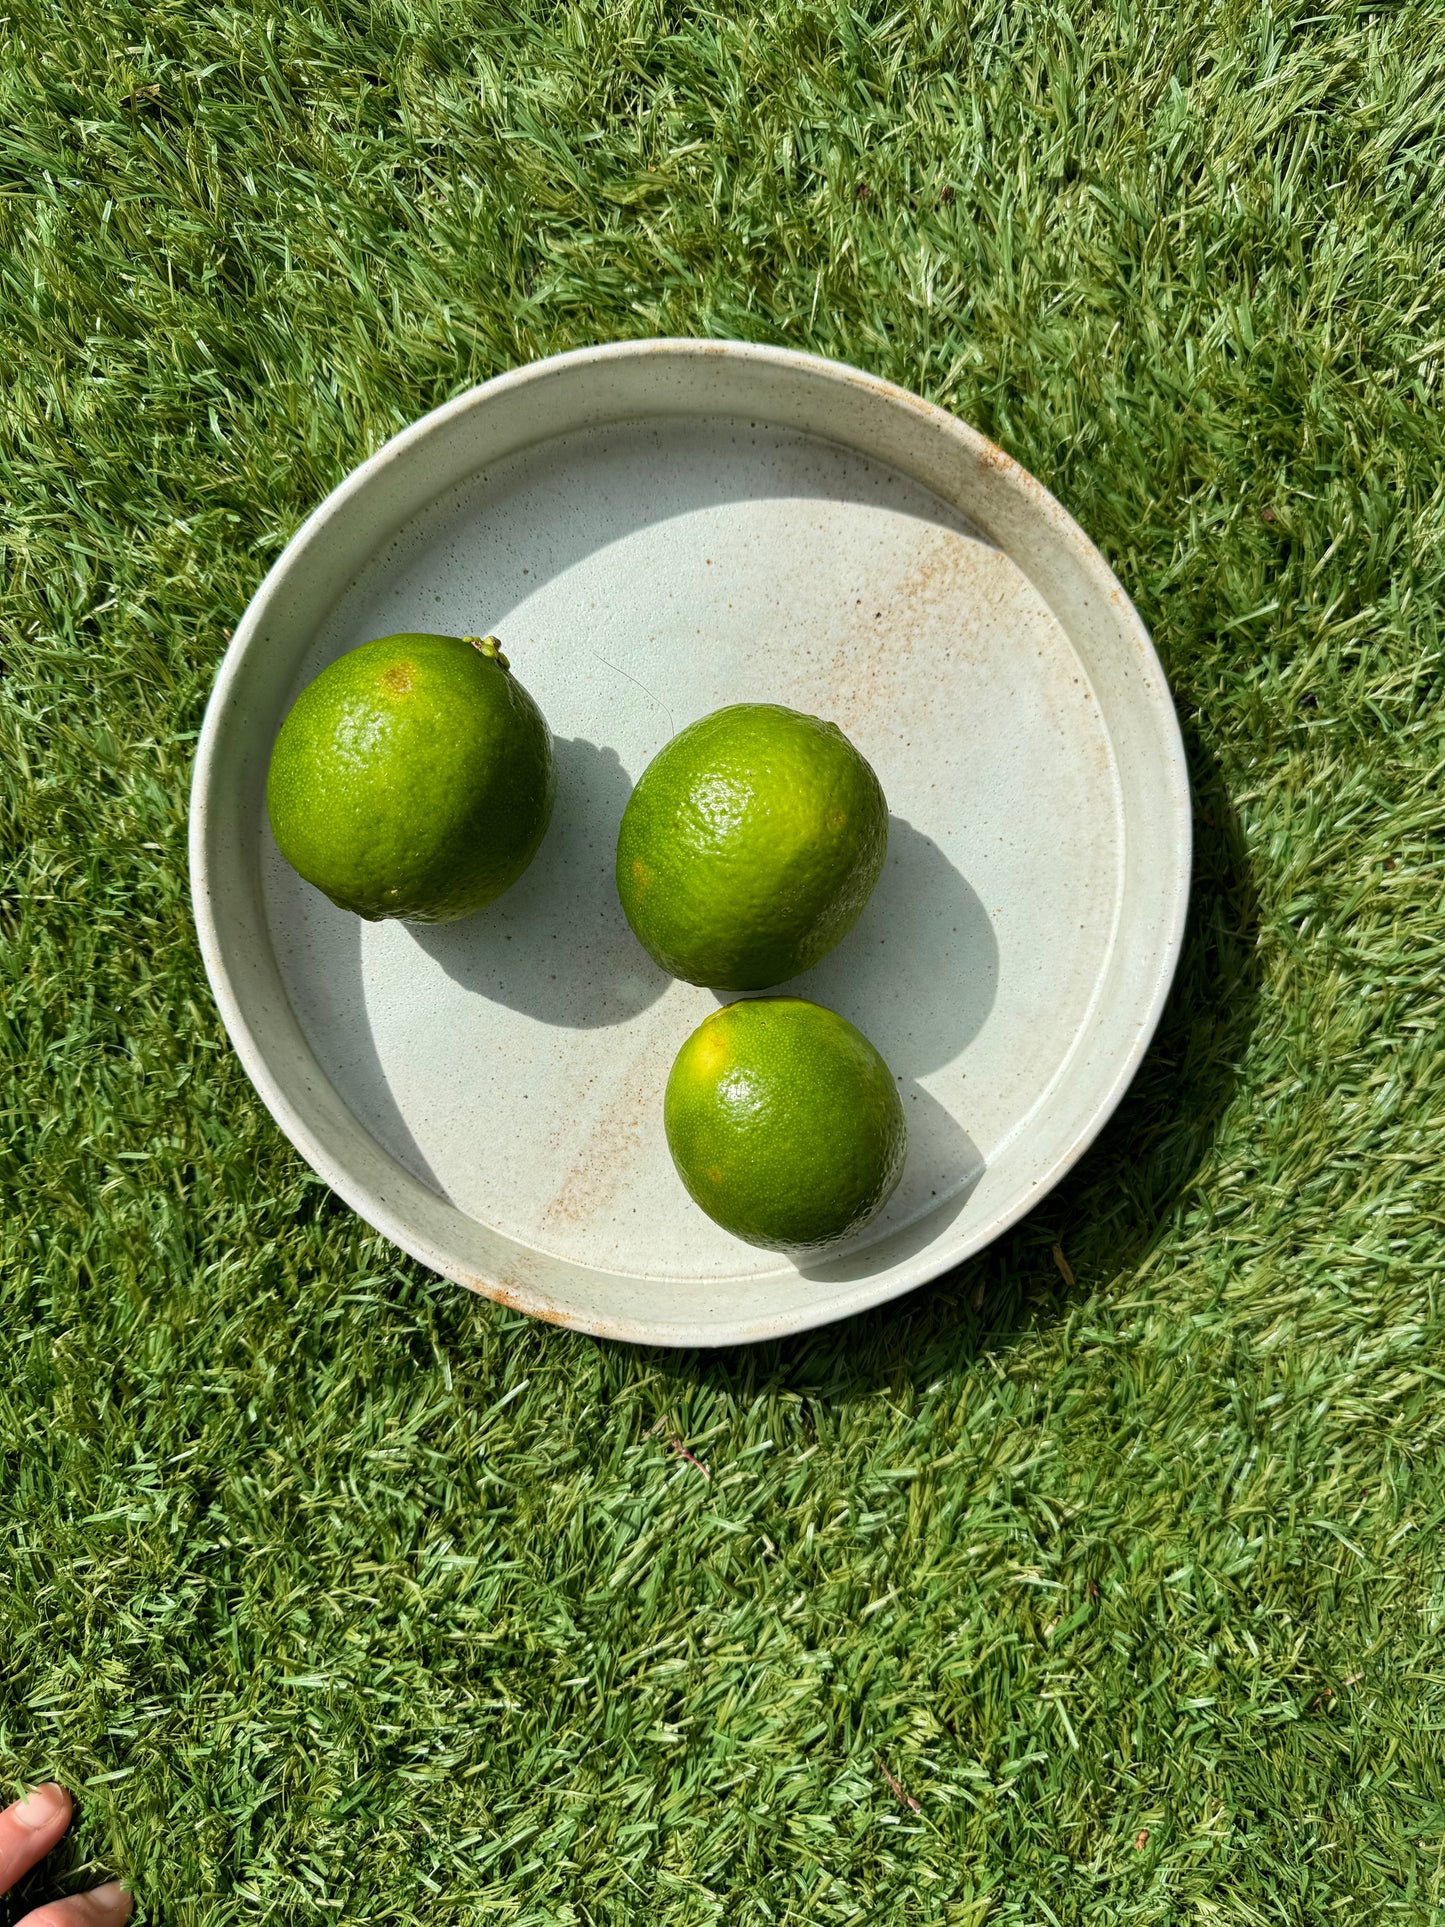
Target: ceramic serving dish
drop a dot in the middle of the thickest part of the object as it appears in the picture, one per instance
(656, 528)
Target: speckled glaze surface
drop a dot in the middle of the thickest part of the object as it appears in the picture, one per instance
(655, 529)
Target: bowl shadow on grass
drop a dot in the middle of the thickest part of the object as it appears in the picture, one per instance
(1110, 1210)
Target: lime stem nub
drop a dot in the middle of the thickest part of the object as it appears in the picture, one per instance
(490, 647)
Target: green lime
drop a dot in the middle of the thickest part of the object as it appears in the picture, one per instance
(784, 1123)
(413, 778)
(750, 846)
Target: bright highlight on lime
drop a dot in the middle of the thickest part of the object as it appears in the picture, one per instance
(413, 778)
(784, 1123)
(750, 846)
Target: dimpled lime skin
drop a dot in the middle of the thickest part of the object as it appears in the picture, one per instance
(750, 846)
(784, 1123)
(413, 778)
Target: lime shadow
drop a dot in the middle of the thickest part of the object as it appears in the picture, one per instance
(557, 945)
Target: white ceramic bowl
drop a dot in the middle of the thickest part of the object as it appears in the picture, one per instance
(656, 528)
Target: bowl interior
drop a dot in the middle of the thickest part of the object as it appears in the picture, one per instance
(490, 1092)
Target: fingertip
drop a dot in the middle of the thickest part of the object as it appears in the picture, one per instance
(111, 1904)
(107, 1906)
(42, 1808)
(29, 1829)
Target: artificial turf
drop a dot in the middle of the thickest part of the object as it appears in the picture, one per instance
(1103, 1581)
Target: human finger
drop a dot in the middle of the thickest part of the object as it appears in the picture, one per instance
(29, 1829)
(104, 1906)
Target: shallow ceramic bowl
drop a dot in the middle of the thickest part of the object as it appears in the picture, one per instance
(656, 528)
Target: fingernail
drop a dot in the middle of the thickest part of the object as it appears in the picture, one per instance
(42, 1807)
(111, 1901)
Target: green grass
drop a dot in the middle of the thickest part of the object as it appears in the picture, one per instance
(341, 1595)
